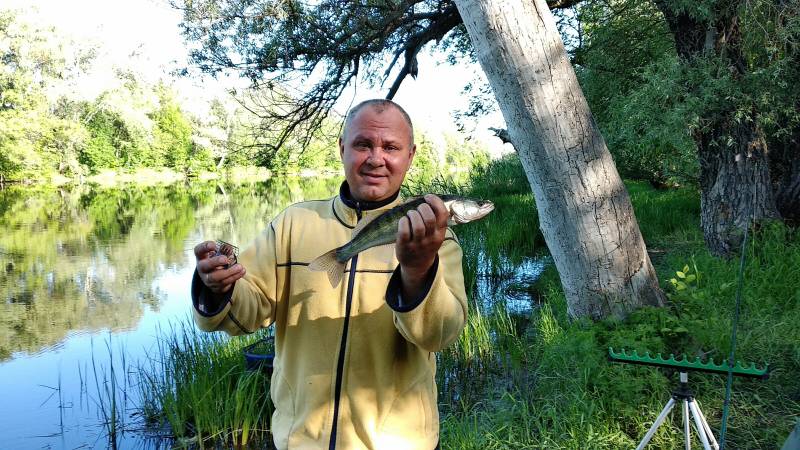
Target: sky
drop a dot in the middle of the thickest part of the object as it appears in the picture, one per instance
(145, 34)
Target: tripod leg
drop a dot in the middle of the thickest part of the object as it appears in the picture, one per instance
(700, 429)
(710, 435)
(659, 420)
(687, 435)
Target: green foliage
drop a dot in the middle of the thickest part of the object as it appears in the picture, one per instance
(172, 135)
(427, 163)
(654, 106)
(34, 140)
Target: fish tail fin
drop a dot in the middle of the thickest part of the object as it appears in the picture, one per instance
(328, 263)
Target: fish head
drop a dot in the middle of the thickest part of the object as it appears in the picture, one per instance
(463, 210)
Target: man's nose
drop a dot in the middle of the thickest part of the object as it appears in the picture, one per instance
(376, 156)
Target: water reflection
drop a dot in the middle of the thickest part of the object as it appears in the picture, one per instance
(500, 279)
(78, 263)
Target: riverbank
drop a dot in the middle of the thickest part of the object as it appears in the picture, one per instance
(163, 175)
(539, 379)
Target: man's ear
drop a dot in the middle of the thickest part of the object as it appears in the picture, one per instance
(341, 148)
(413, 152)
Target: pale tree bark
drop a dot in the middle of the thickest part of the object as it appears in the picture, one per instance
(585, 213)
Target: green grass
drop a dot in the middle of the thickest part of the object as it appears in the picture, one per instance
(542, 381)
(567, 395)
(198, 388)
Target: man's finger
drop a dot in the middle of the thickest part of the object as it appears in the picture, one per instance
(403, 230)
(417, 224)
(439, 209)
(428, 218)
(238, 272)
(201, 250)
(209, 265)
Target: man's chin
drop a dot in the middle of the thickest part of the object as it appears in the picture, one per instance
(372, 193)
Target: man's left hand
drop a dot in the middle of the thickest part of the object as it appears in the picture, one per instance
(419, 235)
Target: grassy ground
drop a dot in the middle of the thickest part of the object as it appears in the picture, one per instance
(543, 380)
(563, 393)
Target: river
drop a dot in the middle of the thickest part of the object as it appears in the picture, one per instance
(91, 275)
(89, 272)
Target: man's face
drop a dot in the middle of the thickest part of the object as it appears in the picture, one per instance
(376, 151)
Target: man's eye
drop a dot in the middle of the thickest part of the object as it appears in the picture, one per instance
(362, 144)
(391, 148)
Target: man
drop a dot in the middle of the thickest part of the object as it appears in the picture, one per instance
(354, 365)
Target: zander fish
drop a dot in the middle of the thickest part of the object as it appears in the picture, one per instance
(382, 230)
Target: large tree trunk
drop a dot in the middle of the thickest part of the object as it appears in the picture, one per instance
(585, 213)
(736, 185)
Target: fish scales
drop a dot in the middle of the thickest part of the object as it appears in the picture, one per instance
(382, 230)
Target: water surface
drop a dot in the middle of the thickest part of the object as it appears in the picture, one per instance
(88, 272)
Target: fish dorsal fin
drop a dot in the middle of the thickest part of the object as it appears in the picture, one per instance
(363, 224)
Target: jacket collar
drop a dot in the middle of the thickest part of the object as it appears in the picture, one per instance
(347, 208)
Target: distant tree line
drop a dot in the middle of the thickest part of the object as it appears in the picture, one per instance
(48, 127)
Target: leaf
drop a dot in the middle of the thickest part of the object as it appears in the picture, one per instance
(690, 278)
(673, 281)
(680, 274)
(685, 269)
(681, 330)
(681, 285)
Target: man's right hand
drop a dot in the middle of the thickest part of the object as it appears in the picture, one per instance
(212, 269)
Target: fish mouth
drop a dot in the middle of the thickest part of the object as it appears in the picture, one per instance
(485, 208)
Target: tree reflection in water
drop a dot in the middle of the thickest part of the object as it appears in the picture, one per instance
(81, 259)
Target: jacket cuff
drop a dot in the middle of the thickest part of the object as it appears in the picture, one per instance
(206, 302)
(394, 291)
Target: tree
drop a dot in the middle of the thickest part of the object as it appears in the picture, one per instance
(735, 179)
(34, 61)
(713, 79)
(586, 213)
(172, 134)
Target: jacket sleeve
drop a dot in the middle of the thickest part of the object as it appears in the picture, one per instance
(435, 319)
(254, 300)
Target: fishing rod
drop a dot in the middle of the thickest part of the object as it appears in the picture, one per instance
(683, 365)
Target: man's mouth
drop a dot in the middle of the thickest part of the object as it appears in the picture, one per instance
(372, 177)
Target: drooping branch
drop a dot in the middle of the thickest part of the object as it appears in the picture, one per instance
(435, 31)
(304, 55)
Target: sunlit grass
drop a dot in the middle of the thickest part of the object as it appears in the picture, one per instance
(572, 397)
(198, 387)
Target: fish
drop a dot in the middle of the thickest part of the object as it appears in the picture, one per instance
(382, 230)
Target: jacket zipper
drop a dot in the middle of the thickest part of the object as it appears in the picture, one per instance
(343, 345)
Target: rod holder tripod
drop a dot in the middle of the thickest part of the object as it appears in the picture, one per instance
(683, 394)
(691, 411)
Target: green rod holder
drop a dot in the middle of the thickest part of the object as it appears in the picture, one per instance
(683, 364)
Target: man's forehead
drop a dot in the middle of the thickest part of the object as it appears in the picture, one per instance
(370, 120)
(379, 113)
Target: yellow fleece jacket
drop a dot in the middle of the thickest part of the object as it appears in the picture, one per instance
(354, 364)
